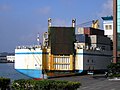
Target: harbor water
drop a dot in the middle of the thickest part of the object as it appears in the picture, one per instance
(7, 70)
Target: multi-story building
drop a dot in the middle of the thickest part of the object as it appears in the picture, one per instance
(108, 26)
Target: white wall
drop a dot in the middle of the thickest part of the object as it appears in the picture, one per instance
(79, 59)
(109, 33)
(28, 59)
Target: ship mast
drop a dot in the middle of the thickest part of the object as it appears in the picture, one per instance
(38, 39)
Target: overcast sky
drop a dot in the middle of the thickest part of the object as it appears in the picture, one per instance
(21, 20)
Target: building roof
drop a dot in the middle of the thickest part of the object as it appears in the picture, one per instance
(107, 18)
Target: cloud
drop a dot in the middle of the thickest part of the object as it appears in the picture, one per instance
(5, 8)
(107, 8)
(44, 10)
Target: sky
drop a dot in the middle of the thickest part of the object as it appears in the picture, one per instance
(21, 20)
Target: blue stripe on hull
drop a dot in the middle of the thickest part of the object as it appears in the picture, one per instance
(28, 53)
(33, 73)
(91, 54)
(17, 53)
(80, 71)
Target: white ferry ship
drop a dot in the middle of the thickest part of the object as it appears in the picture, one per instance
(65, 53)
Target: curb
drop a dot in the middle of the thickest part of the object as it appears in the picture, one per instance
(115, 79)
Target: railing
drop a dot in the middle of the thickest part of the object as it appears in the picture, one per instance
(28, 47)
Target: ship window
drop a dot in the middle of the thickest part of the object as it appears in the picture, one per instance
(88, 60)
(103, 47)
(119, 54)
(89, 68)
(92, 61)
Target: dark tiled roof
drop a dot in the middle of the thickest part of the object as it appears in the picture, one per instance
(107, 18)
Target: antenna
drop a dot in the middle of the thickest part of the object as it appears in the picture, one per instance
(45, 39)
(38, 39)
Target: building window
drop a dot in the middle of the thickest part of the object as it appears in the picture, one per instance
(108, 27)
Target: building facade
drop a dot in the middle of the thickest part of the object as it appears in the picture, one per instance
(108, 26)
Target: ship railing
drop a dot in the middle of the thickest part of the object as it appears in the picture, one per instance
(28, 47)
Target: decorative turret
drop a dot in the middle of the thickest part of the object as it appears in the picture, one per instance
(73, 22)
(95, 24)
(49, 22)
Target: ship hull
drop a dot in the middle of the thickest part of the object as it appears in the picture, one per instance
(32, 73)
(38, 64)
(39, 74)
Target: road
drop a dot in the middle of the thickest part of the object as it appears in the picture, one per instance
(96, 82)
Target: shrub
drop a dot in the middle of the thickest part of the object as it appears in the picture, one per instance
(22, 84)
(115, 75)
(4, 83)
(114, 70)
(44, 85)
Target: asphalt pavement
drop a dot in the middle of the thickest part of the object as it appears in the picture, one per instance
(95, 82)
